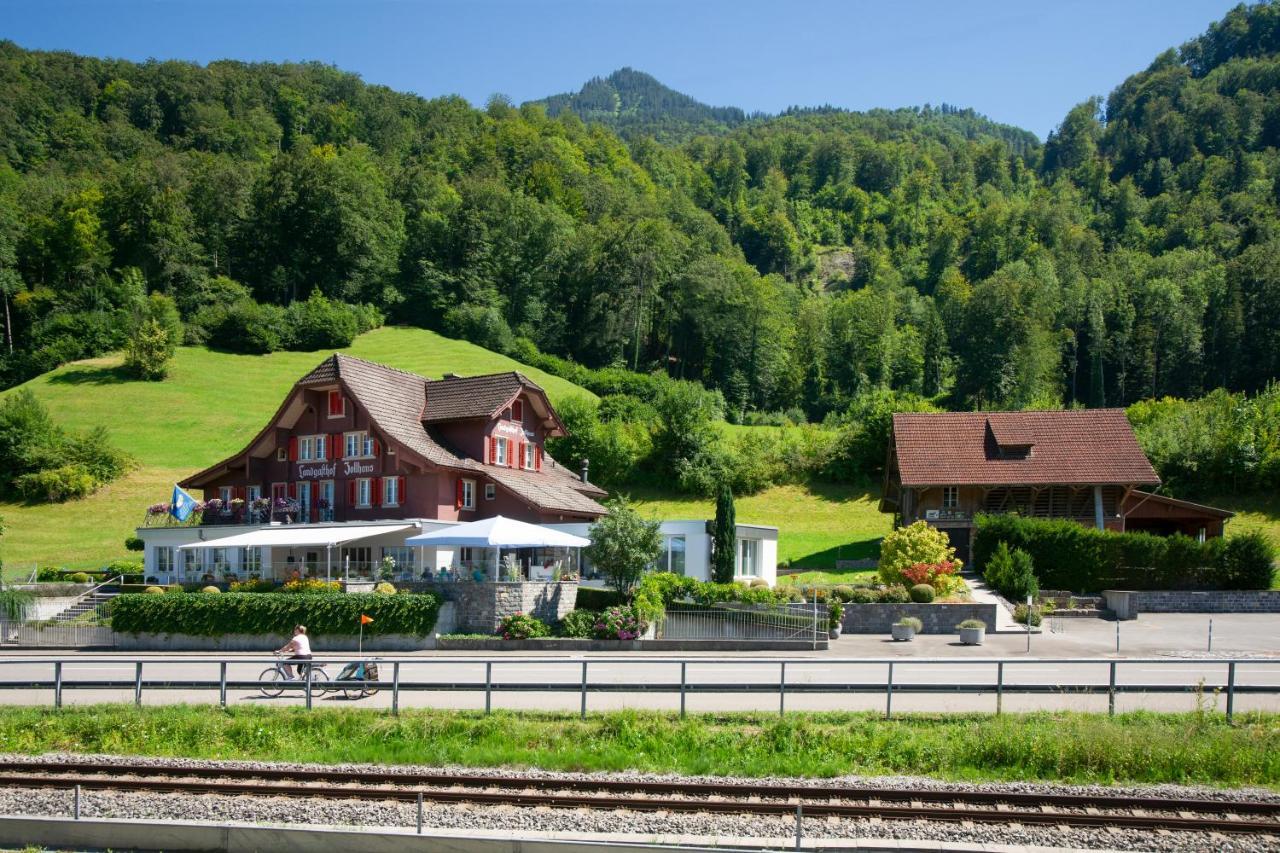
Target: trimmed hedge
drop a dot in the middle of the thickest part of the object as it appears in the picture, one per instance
(1067, 555)
(274, 613)
(590, 598)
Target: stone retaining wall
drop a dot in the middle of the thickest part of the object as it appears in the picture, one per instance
(937, 618)
(567, 644)
(480, 607)
(1218, 601)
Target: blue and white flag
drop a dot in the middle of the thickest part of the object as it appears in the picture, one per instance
(181, 505)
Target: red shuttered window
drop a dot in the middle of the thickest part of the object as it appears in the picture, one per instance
(337, 405)
(293, 448)
(458, 501)
(375, 491)
(537, 459)
(351, 492)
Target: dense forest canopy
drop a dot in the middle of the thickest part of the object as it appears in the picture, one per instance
(793, 263)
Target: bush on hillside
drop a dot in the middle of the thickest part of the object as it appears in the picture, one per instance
(80, 577)
(273, 613)
(1067, 555)
(41, 461)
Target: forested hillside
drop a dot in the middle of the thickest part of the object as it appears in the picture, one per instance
(632, 100)
(795, 263)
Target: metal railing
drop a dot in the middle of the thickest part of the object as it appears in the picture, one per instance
(56, 635)
(808, 625)
(996, 683)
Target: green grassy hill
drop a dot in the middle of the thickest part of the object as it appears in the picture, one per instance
(213, 402)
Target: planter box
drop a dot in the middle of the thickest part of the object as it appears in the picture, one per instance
(972, 636)
(936, 618)
(902, 633)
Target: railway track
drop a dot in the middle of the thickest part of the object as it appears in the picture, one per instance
(1075, 810)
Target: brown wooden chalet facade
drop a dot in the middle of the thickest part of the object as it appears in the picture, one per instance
(1084, 465)
(359, 441)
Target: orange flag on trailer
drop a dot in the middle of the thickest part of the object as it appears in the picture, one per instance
(365, 620)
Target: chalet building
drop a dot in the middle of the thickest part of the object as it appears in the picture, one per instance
(357, 441)
(1084, 465)
(360, 456)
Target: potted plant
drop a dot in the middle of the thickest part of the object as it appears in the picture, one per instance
(906, 628)
(972, 631)
(835, 618)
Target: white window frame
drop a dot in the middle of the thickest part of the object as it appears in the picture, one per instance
(490, 491)
(225, 494)
(364, 492)
(500, 451)
(530, 456)
(305, 446)
(164, 559)
(468, 494)
(360, 441)
(748, 558)
(282, 454)
(253, 493)
(391, 491)
(950, 497)
(321, 446)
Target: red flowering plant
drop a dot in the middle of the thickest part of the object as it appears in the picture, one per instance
(933, 574)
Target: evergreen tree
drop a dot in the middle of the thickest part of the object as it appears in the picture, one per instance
(724, 544)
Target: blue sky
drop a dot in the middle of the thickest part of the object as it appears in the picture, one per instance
(1024, 63)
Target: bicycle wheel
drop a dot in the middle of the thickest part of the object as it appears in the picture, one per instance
(271, 682)
(319, 681)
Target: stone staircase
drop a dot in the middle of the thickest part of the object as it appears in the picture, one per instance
(88, 604)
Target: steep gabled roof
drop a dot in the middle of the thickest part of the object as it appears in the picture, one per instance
(460, 397)
(1081, 447)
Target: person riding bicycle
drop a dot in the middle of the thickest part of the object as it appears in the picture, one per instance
(298, 648)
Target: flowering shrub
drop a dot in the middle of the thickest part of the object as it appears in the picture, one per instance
(311, 586)
(520, 626)
(213, 505)
(903, 548)
(158, 509)
(579, 623)
(258, 585)
(933, 574)
(620, 623)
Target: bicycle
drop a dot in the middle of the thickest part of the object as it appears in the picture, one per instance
(272, 680)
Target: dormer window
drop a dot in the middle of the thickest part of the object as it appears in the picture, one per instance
(337, 404)
(1010, 440)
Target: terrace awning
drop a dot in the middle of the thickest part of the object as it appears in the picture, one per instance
(289, 536)
(499, 532)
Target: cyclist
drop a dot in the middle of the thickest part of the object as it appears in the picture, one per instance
(298, 648)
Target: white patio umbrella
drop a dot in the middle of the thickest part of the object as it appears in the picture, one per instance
(499, 532)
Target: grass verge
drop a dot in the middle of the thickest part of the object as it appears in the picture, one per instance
(1070, 747)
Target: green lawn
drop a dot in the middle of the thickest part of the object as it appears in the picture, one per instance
(848, 576)
(211, 404)
(1070, 747)
(817, 524)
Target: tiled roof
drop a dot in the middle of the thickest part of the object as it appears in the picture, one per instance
(1084, 447)
(455, 398)
(544, 490)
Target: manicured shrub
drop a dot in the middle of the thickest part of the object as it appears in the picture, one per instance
(154, 590)
(895, 593)
(80, 577)
(274, 613)
(580, 624)
(910, 622)
(311, 586)
(972, 623)
(759, 582)
(134, 543)
(1248, 561)
(844, 592)
(922, 593)
(1071, 556)
(590, 598)
(907, 546)
(210, 590)
(384, 588)
(252, 585)
(1010, 572)
(521, 626)
(863, 595)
